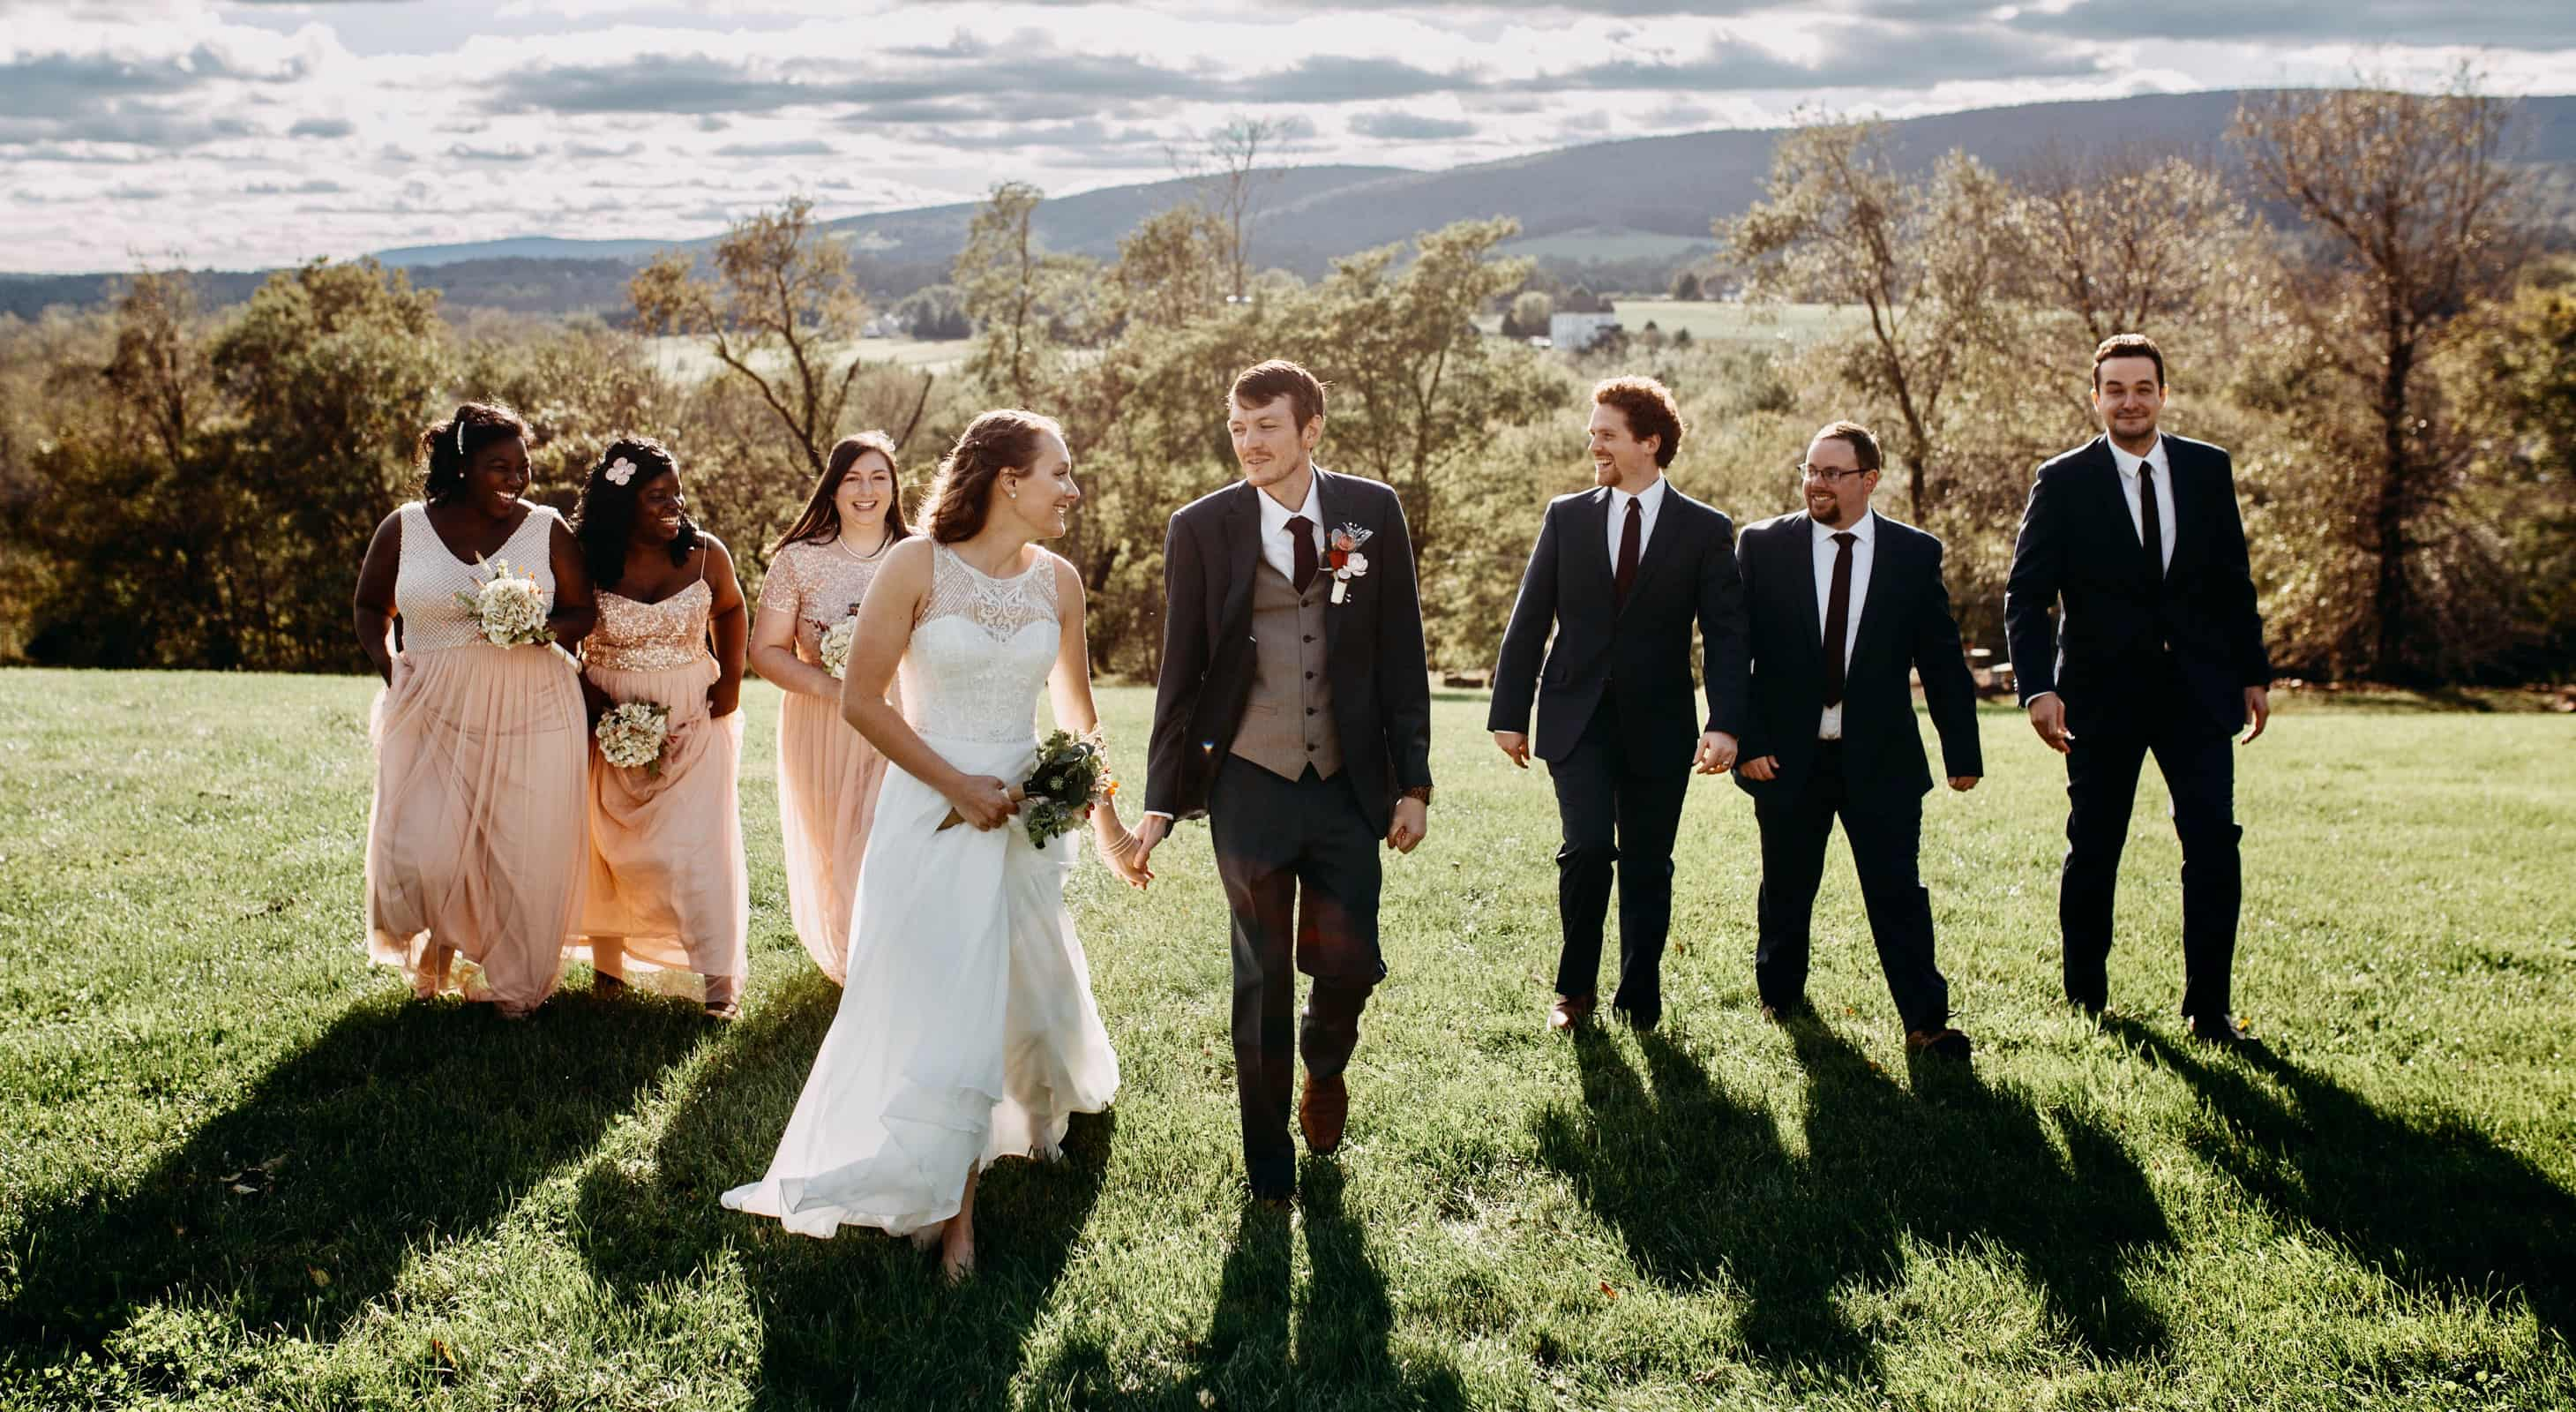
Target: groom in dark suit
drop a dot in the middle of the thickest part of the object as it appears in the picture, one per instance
(1294, 712)
(1845, 607)
(2131, 618)
(1620, 574)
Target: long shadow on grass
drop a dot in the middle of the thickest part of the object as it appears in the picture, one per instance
(2428, 1199)
(1341, 1356)
(1702, 1191)
(401, 1125)
(861, 1320)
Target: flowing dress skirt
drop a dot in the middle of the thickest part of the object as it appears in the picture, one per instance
(476, 837)
(828, 778)
(967, 1029)
(668, 888)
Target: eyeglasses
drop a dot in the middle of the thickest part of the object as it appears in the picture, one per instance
(1809, 470)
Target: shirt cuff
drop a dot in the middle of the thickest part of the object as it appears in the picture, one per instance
(1156, 814)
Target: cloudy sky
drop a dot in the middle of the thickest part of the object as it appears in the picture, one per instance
(245, 135)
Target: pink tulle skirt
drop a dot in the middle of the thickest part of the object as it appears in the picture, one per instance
(828, 778)
(668, 887)
(476, 838)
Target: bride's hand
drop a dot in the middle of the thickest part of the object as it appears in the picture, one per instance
(984, 801)
(1120, 849)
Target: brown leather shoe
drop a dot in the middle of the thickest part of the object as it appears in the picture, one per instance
(1569, 1011)
(1944, 1043)
(1322, 1111)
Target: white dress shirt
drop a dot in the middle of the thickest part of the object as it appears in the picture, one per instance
(1864, 542)
(2128, 465)
(1649, 502)
(1276, 545)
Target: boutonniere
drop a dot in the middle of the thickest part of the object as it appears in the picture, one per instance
(1342, 555)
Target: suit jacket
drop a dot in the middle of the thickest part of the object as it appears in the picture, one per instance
(1637, 657)
(1379, 673)
(2103, 652)
(1905, 627)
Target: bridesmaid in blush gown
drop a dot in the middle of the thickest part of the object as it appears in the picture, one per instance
(967, 1031)
(828, 774)
(475, 836)
(668, 886)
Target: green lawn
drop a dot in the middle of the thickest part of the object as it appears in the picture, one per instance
(238, 1169)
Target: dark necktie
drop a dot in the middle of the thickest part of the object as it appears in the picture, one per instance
(2151, 521)
(1838, 617)
(1301, 534)
(1628, 548)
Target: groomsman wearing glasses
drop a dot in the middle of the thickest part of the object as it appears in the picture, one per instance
(2133, 629)
(1620, 574)
(1845, 605)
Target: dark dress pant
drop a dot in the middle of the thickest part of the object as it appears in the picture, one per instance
(1300, 868)
(1885, 831)
(1619, 814)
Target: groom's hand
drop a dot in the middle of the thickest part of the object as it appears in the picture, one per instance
(1716, 753)
(1150, 830)
(1514, 745)
(1412, 821)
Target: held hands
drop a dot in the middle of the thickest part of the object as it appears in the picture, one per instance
(1716, 754)
(1120, 849)
(2258, 709)
(1761, 769)
(1150, 831)
(1412, 822)
(1514, 745)
(2048, 717)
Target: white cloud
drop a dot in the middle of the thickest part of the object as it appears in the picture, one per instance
(128, 125)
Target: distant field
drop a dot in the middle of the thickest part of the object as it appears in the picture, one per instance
(1742, 323)
(687, 359)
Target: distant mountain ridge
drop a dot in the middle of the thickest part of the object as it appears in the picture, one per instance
(1637, 204)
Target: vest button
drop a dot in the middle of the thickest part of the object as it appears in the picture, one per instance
(1310, 710)
(1310, 637)
(1310, 676)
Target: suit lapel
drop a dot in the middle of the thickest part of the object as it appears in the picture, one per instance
(1798, 562)
(1882, 561)
(1659, 545)
(1242, 537)
(2182, 471)
(1593, 553)
(1325, 500)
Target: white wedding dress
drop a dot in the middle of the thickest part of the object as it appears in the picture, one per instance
(967, 1029)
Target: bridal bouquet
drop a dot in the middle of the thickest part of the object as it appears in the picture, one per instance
(1070, 776)
(835, 647)
(509, 608)
(633, 736)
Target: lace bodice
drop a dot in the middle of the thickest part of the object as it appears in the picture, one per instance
(820, 584)
(427, 577)
(981, 650)
(650, 637)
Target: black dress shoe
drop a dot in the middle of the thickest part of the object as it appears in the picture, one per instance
(1787, 1010)
(2093, 1008)
(1638, 1019)
(2226, 1031)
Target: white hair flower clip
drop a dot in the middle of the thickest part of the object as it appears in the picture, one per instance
(620, 471)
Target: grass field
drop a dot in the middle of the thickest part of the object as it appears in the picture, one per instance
(241, 1170)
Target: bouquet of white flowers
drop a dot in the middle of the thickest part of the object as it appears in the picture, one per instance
(632, 736)
(510, 608)
(835, 647)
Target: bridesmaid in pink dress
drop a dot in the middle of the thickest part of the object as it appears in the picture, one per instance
(827, 773)
(668, 888)
(475, 838)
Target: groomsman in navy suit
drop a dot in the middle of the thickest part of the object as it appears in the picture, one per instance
(1620, 574)
(1846, 607)
(2131, 618)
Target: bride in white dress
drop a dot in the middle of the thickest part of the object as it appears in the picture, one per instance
(967, 1029)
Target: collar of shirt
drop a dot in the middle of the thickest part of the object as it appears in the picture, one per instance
(1649, 500)
(1274, 516)
(2129, 464)
(1865, 529)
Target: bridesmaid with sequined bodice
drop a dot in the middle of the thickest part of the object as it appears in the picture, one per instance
(668, 889)
(828, 774)
(476, 843)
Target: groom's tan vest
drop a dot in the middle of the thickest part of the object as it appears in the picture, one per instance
(1288, 715)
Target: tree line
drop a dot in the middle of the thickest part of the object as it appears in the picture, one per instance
(2362, 304)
